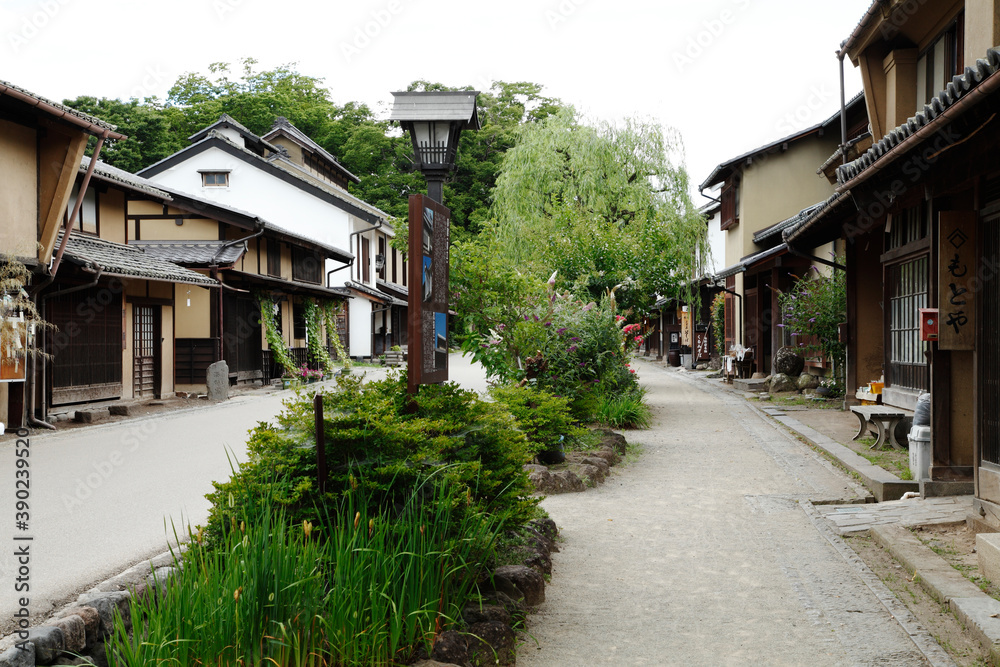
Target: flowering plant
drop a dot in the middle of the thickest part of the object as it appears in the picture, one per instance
(308, 373)
(813, 309)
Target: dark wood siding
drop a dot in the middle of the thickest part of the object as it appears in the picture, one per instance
(86, 347)
(241, 342)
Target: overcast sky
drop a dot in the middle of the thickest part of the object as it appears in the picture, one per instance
(729, 75)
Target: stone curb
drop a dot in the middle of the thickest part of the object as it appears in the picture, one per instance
(979, 612)
(81, 624)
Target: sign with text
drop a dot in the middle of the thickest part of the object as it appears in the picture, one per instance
(702, 351)
(956, 280)
(427, 327)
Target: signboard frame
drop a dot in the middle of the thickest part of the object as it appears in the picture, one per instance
(956, 280)
(427, 325)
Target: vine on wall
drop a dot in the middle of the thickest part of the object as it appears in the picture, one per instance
(331, 309)
(314, 336)
(279, 351)
(719, 322)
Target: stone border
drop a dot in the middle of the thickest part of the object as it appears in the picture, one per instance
(581, 470)
(81, 627)
(979, 612)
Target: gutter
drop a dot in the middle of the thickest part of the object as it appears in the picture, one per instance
(350, 244)
(988, 86)
(62, 114)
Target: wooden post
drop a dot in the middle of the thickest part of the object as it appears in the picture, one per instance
(320, 443)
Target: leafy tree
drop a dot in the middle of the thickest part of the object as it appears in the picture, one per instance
(601, 204)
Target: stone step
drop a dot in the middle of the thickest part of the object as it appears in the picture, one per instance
(747, 384)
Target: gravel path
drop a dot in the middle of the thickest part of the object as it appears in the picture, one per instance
(701, 553)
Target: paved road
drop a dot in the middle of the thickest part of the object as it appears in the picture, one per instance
(703, 554)
(106, 497)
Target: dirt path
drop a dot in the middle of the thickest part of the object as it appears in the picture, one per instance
(700, 553)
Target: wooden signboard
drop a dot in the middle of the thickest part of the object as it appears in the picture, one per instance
(956, 280)
(427, 327)
(702, 351)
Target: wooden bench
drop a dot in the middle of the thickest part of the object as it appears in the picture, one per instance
(881, 420)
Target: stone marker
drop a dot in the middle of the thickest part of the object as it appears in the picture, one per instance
(218, 381)
(782, 383)
(788, 361)
(808, 381)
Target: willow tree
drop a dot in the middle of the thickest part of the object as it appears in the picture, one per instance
(603, 205)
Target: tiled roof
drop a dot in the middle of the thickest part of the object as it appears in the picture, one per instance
(959, 87)
(750, 260)
(368, 291)
(283, 164)
(106, 172)
(290, 286)
(392, 289)
(768, 232)
(115, 259)
(282, 124)
(812, 222)
(193, 253)
(93, 120)
(437, 105)
(225, 120)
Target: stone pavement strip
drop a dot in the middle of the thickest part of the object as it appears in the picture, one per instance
(853, 519)
(708, 551)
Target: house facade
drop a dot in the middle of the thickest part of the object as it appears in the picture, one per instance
(292, 182)
(919, 213)
(41, 145)
(761, 193)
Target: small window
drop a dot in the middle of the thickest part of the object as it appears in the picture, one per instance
(298, 321)
(215, 179)
(273, 258)
(87, 221)
(307, 266)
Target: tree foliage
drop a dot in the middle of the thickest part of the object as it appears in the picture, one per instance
(602, 204)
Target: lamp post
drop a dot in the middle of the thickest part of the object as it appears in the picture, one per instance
(435, 121)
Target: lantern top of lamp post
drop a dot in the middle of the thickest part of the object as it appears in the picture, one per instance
(459, 105)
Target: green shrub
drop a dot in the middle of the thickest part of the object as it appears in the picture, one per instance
(544, 419)
(375, 591)
(373, 442)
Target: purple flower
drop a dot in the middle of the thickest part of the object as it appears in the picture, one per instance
(572, 348)
(536, 318)
(548, 324)
(525, 318)
(561, 331)
(574, 339)
(781, 326)
(812, 319)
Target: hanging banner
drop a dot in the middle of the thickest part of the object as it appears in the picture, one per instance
(956, 278)
(13, 360)
(430, 224)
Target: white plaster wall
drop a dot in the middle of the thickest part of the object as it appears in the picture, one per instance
(361, 327)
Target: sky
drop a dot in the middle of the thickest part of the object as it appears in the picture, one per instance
(728, 75)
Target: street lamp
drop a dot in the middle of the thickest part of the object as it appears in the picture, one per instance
(435, 120)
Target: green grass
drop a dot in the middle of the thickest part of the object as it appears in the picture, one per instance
(627, 410)
(360, 589)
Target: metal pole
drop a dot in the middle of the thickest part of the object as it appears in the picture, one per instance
(321, 475)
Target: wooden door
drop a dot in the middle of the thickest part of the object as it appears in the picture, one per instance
(241, 342)
(988, 376)
(146, 343)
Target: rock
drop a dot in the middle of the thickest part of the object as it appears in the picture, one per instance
(782, 383)
(788, 362)
(534, 467)
(541, 541)
(599, 462)
(560, 481)
(479, 613)
(218, 381)
(616, 441)
(159, 578)
(451, 647)
(72, 661)
(758, 376)
(807, 381)
(538, 560)
(15, 657)
(91, 622)
(519, 581)
(590, 474)
(120, 410)
(610, 456)
(106, 604)
(701, 367)
(92, 415)
(491, 643)
(514, 606)
(48, 641)
(546, 527)
(434, 663)
(764, 397)
(74, 632)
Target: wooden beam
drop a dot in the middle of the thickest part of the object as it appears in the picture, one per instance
(59, 154)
